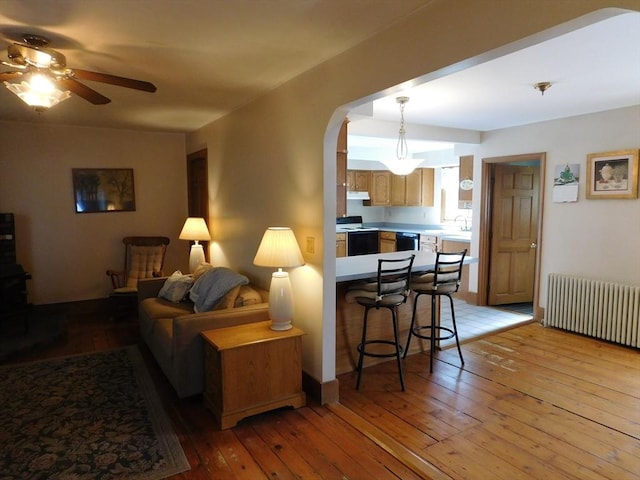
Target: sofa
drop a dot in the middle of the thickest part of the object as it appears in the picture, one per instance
(171, 328)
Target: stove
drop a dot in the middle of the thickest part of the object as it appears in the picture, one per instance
(360, 240)
(352, 223)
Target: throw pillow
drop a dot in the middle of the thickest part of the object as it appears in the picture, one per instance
(176, 287)
(212, 286)
(247, 296)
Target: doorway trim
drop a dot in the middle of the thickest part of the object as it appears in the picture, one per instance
(486, 207)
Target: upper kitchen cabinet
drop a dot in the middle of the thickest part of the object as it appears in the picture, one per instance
(341, 171)
(413, 190)
(358, 180)
(465, 190)
(380, 188)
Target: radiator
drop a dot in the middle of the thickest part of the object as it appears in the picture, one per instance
(606, 310)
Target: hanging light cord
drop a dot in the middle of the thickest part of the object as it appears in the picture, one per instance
(402, 151)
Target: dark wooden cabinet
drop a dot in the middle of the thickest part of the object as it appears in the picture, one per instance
(14, 303)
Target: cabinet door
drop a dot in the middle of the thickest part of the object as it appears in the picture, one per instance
(465, 173)
(351, 180)
(361, 180)
(341, 171)
(341, 245)
(413, 188)
(380, 188)
(387, 242)
(398, 190)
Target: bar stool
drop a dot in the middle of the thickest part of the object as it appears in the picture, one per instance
(442, 281)
(389, 290)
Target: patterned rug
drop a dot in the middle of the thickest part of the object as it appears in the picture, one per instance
(85, 417)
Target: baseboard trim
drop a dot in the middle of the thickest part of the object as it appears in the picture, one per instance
(320, 392)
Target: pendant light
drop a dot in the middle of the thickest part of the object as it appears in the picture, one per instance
(402, 164)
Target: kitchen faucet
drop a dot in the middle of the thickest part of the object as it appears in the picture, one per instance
(465, 228)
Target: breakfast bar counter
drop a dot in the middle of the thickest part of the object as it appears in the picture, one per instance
(349, 314)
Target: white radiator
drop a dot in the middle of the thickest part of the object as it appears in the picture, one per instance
(606, 310)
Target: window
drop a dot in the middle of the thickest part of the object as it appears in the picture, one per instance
(449, 185)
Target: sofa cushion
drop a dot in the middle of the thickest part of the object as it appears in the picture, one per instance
(212, 286)
(176, 287)
(159, 308)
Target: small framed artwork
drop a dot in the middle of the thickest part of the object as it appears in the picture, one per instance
(103, 190)
(612, 174)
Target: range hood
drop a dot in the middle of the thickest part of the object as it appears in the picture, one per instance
(358, 196)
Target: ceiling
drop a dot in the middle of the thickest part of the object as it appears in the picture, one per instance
(206, 57)
(209, 57)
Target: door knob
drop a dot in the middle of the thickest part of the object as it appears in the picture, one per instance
(534, 244)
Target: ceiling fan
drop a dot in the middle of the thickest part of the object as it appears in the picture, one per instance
(33, 57)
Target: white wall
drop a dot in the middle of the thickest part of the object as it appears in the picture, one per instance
(68, 253)
(273, 161)
(593, 238)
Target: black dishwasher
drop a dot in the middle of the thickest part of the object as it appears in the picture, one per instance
(407, 241)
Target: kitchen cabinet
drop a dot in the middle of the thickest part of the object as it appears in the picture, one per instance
(406, 190)
(358, 180)
(341, 171)
(341, 245)
(413, 190)
(465, 172)
(380, 188)
(387, 242)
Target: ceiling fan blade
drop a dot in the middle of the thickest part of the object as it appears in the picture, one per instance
(114, 80)
(9, 75)
(83, 91)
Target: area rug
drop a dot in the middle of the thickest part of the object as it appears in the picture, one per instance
(93, 416)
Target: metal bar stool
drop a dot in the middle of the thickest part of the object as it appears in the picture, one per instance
(389, 290)
(442, 281)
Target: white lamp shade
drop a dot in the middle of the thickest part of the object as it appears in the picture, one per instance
(402, 166)
(278, 248)
(195, 229)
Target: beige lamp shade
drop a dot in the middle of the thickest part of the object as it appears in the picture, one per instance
(278, 248)
(195, 229)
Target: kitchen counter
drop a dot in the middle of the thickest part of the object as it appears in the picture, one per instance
(444, 232)
(366, 266)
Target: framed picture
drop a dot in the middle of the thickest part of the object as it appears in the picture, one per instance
(612, 174)
(103, 190)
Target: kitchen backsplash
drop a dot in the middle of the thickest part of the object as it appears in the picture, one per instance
(408, 215)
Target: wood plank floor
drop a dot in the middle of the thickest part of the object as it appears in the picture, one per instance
(530, 403)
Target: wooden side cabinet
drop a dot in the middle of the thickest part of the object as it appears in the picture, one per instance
(250, 369)
(341, 245)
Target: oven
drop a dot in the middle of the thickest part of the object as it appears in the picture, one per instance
(362, 242)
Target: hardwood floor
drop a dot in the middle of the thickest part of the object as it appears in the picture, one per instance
(530, 403)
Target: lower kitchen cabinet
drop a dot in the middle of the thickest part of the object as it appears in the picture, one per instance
(387, 242)
(341, 245)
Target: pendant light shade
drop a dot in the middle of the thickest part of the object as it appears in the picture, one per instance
(402, 164)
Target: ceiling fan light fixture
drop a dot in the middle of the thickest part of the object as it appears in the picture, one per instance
(38, 91)
(402, 164)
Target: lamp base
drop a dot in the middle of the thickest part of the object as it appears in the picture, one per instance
(280, 301)
(196, 257)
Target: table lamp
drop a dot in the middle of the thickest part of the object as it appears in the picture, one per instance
(279, 248)
(195, 229)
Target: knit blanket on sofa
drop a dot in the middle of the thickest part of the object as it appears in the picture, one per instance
(212, 285)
